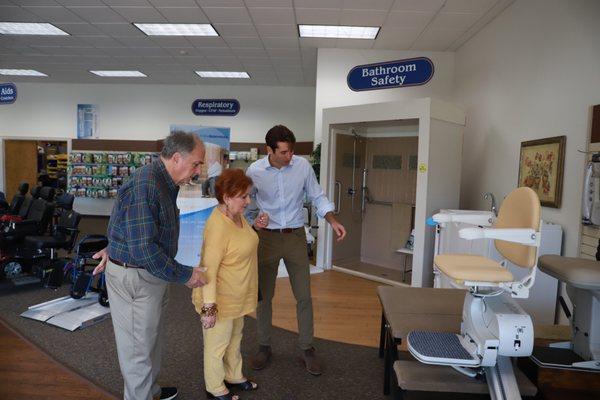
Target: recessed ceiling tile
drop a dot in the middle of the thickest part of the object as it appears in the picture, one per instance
(354, 44)
(269, 3)
(446, 20)
(368, 4)
(183, 52)
(474, 6)
(241, 42)
(363, 17)
(287, 53)
(227, 15)
(418, 5)
(119, 29)
(136, 41)
(245, 30)
(129, 3)
(140, 14)
(279, 30)
(409, 19)
(250, 52)
(101, 41)
(71, 3)
(173, 3)
(184, 15)
(150, 51)
(192, 60)
(262, 16)
(437, 39)
(97, 15)
(54, 14)
(82, 28)
(116, 51)
(317, 42)
(217, 51)
(171, 41)
(34, 2)
(221, 3)
(318, 16)
(201, 42)
(396, 38)
(318, 3)
(255, 61)
(279, 43)
(288, 62)
(11, 13)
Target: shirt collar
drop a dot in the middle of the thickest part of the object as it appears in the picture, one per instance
(266, 164)
(160, 167)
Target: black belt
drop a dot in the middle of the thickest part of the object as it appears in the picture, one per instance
(122, 264)
(282, 230)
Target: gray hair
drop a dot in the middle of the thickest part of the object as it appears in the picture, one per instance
(179, 142)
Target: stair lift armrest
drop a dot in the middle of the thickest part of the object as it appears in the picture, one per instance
(473, 218)
(526, 236)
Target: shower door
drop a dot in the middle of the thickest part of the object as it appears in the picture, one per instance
(350, 151)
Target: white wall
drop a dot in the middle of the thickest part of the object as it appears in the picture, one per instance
(144, 112)
(332, 89)
(531, 73)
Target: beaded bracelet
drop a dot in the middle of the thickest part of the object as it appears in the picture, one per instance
(209, 311)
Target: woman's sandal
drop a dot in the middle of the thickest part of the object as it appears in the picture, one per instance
(245, 386)
(228, 396)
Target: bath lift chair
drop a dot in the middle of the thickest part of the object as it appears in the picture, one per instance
(494, 327)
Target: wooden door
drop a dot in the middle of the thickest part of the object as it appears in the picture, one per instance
(20, 165)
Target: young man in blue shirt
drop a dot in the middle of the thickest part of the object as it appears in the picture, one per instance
(281, 182)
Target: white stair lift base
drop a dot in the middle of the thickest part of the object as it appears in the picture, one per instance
(441, 348)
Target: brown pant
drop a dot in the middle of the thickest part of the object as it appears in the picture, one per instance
(272, 247)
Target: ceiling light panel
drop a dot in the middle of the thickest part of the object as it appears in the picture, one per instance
(30, 28)
(338, 32)
(120, 74)
(177, 29)
(21, 72)
(223, 74)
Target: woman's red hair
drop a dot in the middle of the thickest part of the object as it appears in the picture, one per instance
(232, 182)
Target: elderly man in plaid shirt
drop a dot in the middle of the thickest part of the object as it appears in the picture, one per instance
(140, 261)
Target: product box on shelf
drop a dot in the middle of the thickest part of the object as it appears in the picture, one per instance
(99, 175)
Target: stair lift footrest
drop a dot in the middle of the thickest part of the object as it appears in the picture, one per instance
(441, 348)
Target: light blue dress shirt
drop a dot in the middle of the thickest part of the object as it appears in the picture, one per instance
(281, 192)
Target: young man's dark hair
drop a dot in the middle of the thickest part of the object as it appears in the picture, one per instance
(279, 133)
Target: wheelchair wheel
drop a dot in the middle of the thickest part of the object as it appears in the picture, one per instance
(12, 269)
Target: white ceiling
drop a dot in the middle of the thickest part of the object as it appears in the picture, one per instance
(256, 36)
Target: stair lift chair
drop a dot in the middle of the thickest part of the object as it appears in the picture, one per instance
(582, 278)
(494, 327)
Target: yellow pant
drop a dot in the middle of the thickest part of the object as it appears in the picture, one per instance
(222, 355)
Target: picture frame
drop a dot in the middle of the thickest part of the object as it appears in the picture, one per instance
(541, 167)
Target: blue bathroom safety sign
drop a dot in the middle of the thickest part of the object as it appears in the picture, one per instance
(391, 74)
(222, 107)
(8, 93)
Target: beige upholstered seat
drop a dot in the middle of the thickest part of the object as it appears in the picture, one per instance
(578, 272)
(519, 210)
(468, 267)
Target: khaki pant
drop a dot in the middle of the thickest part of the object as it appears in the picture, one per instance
(137, 301)
(272, 247)
(222, 355)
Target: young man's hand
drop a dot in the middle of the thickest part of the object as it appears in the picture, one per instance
(338, 228)
(197, 279)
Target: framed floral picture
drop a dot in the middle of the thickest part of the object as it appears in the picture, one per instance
(541, 168)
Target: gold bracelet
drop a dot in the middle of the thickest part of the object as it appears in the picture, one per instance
(209, 311)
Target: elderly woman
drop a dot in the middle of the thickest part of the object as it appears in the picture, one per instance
(229, 255)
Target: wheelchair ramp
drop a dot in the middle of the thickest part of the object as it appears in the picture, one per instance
(440, 348)
(69, 313)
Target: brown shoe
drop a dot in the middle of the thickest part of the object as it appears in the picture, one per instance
(313, 364)
(261, 359)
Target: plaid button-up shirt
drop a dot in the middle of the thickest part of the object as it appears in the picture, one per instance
(144, 224)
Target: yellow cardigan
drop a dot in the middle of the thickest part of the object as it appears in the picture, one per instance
(229, 254)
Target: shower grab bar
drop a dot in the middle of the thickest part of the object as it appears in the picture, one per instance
(338, 204)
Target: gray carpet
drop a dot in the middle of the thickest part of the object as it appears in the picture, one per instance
(352, 372)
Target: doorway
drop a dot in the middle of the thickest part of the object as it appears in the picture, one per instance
(37, 162)
(375, 191)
